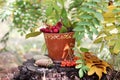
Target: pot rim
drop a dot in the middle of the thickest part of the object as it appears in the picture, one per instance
(59, 33)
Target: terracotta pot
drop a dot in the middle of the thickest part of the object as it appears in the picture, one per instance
(60, 45)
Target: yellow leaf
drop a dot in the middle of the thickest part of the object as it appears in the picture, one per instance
(98, 40)
(116, 49)
(95, 65)
(105, 64)
(99, 72)
(89, 65)
(96, 70)
(91, 71)
(111, 37)
(109, 28)
(111, 43)
(109, 16)
(104, 70)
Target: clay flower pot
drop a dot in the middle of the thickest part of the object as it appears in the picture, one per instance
(59, 45)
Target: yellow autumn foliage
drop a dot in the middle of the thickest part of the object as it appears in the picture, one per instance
(95, 65)
(109, 16)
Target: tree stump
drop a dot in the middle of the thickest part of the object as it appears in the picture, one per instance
(29, 71)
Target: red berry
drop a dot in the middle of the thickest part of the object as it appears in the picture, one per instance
(53, 27)
(59, 24)
(42, 29)
(68, 63)
(73, 63)
(47, 31)
(63, 63)
(55, 30)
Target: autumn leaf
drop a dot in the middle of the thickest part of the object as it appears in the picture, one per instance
(95, 65)
(109, 16)
(116, 48)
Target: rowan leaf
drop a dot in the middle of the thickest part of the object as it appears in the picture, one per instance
(109, 16)
(84, 49)
(98, 40)
(85, 69)
(102, 46)
(49, 10)
(111, 43)
(78, 66)
(63, 29)
(99, 16)
(107, 38)
(116, 49)
(81, 73)
(78, 55)
(79, 28)
(79, 61)
(86, 16)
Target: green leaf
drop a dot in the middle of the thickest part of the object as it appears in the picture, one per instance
(61, 2)
(117, 10)
(63, 29)
(76, 34)
(80, 36)
(96, 1)
(90, 4)
(78, 55)
(49, 10)
(94, 29)
(75, 4)
(64, 17)
(86, 16)
(33, 34)
(96, 22)
(79, 28)
(85, 69)
(102, 46)
(78, 66)
(64, 13)
(57, 7)
(118, 36)
(80, 61)
(84, 49)
(81, 73)
(90, 35)
(44, 48)
(84, 23)
(78, 43)
(88, 10)
(99, 16)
